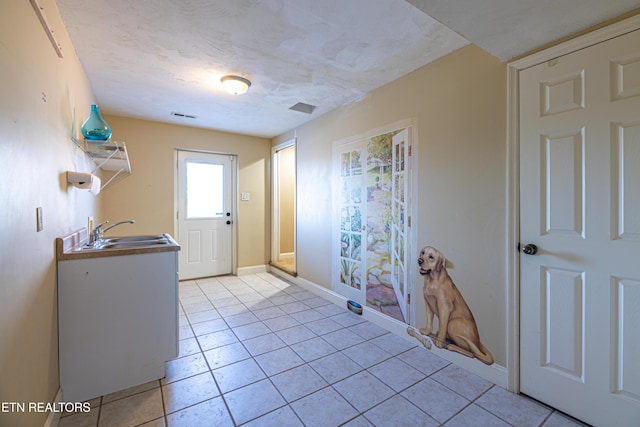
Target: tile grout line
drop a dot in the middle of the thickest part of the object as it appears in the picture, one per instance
(252, 357)
(267, 377)
(99, 412)
(164, 407)
(265, 297)
(306, 363)
(329, 385)
(226, 405)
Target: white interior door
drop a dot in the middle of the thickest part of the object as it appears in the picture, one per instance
(400, 224)
(205, 217)
(580, 205)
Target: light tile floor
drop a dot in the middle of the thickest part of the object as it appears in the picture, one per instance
(258, 351)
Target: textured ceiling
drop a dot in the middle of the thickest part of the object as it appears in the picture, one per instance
(509, 28)
(150, 58)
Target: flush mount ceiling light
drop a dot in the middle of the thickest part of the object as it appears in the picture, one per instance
(235, 85)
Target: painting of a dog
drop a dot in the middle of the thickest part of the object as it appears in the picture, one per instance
(457, 328)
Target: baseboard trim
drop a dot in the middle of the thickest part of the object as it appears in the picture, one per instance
(53, 419)
(287, 255)
(312, 287)
(253, 269)
(495, 373)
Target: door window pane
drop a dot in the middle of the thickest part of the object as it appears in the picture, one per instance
(351, 189)
(204, 195)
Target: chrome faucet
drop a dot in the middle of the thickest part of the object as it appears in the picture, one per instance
(97, 232)
(128, 221)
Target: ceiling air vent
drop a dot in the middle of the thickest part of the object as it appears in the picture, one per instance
(303, 108)
(187, 116)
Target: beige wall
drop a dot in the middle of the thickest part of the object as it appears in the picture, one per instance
(42, 99)
(458, 104)
(147, 195)
(287, 166)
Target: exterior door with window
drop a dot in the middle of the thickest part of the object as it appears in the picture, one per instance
(204, 214)
(580, 206)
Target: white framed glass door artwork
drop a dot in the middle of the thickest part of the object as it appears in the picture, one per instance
(370, 228)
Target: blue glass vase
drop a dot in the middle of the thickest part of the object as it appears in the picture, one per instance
(95, 128)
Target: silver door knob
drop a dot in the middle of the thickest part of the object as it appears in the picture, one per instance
(530, 249)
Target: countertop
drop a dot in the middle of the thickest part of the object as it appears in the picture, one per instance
(67, 247)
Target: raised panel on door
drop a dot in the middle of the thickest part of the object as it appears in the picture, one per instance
(194, 246)
(214, 249)
(626, 342)
(563, 335)
(625, 77)
(626, 180)
(562, 187)
(562, 94)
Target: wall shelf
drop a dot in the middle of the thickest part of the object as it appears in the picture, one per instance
(108, 155)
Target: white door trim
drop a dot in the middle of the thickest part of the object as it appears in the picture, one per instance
(513, 176)
(275, 201)
(401, 287)
(234, 200)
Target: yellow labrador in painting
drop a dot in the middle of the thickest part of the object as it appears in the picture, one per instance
(457, 328)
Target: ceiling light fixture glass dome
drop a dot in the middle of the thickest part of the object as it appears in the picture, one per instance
(235, 85)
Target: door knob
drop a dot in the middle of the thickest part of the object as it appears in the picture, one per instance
(530, 249)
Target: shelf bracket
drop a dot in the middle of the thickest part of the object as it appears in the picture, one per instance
(111, 179)
(109, 157)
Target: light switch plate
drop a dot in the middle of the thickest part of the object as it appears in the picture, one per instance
(245, 197)
(39, 222)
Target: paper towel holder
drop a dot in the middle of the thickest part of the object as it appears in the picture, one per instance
(85, 181)
(78, 178)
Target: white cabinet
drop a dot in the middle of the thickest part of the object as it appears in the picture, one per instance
(118, 321)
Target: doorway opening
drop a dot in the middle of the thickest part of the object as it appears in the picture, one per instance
(283, 229)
